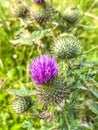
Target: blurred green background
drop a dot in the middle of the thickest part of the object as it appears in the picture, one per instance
(14, 60)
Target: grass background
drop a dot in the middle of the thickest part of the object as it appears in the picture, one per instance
(14, 60)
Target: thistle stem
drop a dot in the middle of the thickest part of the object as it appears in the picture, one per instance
(91, 15)
(90, 50)
(39, 46)
(3, 83)
(65, 121)
(95, 83)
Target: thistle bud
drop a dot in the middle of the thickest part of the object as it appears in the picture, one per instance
(42, 12)
(19, 9)
(66, 47)
(71, 15)
(22, 104)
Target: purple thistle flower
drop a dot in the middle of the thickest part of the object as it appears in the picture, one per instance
(43, 69)
(39, 1)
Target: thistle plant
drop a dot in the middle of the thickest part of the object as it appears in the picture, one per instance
(59, 83)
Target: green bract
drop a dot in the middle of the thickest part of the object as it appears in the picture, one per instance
(71, 15)
(20, 9)
(22, 104)
(66, 47)
(41, 13)
(54, 92)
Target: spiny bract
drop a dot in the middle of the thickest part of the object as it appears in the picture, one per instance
(42, 12)
(66, 47)
(20, 9)
(21, 104)
(54, 92)
(72, 14)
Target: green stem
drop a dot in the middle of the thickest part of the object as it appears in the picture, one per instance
(91, 15)
(95, 83)
(66, 125)
(3, 83)
(90, 50)
(67, 122)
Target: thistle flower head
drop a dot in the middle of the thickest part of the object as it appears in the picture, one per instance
(43, 69)
(38, 1)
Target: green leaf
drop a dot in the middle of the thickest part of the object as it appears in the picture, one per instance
(24, 39)
(93, 107)
(23, 91)
(27, 124)
(94, 93)
(36, 35)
